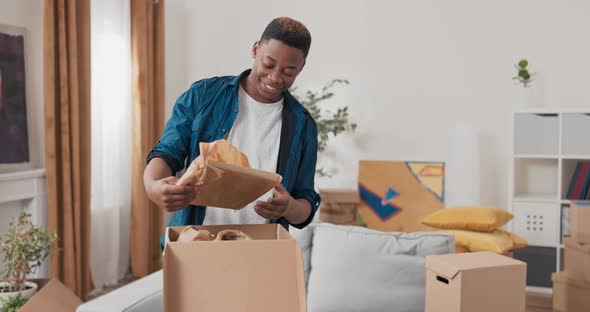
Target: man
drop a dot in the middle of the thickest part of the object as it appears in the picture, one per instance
(256, 113)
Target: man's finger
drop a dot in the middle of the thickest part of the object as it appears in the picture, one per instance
(263, 212)
(277, 200)
(174, 198)
(178, 190)
(279, 188)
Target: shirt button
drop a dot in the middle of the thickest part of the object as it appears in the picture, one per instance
(223, 130)
(235, 110)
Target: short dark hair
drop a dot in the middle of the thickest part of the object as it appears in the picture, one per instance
(289, 31)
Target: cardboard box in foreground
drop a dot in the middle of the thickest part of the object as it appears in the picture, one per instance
(52, 296)
(570, 295)
(477, 281)
(262, 274)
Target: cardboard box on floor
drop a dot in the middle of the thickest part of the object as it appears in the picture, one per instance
(569, 295)
(580, 221)
(262, 274)
(51, 296)
(577, 259)
(476, 281)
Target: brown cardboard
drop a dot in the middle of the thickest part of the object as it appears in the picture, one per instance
(475, 281)
(580, 221)
(577, 259)
(569, 295)
(339, 206)
(52, 296)
(340, 196)
(261, 274)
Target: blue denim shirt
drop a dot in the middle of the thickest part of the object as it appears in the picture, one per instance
(207, 111)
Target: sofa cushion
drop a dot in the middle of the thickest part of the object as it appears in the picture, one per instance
(304, 240)
(143, 295)
(359, 269)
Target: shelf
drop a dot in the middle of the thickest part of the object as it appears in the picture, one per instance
(537, 177)
(568, 169)
(536, 197)
(576, 127)
(536, 134)
(577, 157)
(536, 156)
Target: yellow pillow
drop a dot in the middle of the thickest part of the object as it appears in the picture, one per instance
(498, 241)
(484, 219)
(519, 242)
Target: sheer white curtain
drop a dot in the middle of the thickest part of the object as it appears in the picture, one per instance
(111, 140)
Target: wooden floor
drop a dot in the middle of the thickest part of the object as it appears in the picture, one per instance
(538, 302)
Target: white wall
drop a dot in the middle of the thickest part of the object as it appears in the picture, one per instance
(29, 14)
(416, 68)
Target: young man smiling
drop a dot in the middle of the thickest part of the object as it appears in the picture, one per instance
(256, 113)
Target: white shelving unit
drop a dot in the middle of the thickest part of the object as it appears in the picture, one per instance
(547, 144)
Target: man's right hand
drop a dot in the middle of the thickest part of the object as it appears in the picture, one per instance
(169, 196)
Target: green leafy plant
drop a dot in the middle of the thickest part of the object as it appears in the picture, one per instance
(25, 247)
(13, 303)
(523, 76)
(329, 123)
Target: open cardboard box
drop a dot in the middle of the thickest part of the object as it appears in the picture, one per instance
(262, 274)
(51, 296)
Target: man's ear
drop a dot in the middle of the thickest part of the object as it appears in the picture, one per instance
(255, 49)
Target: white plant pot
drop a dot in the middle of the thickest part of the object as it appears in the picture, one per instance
(27, 293)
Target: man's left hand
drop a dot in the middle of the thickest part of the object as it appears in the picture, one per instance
(277, 206)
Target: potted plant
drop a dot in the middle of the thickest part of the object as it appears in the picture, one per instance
(327, 122)
(525, 78)
(24, 246)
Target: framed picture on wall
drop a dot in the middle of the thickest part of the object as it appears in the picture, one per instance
(15, 149)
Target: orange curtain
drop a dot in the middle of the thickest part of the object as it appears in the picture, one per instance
(67, 138)
(147, 69)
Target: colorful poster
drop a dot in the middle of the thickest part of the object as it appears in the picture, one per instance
(396, 195)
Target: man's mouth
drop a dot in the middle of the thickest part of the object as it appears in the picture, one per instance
(269, 87)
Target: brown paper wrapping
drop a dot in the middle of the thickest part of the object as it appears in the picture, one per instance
(223, 177)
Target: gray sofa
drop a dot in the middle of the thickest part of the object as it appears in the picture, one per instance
(347, 268)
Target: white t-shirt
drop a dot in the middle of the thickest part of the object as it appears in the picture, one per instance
(256, 133)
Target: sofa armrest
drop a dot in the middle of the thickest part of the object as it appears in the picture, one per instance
(145, 295)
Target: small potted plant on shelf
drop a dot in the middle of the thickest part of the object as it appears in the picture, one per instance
(524, 77)
(24, 247)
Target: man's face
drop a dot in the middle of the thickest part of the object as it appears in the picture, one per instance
(276, 65)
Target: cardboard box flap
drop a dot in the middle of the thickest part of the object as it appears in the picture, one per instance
(449, 265)
(571, 242)
(52, 297)
(441, 267)
(563, 277)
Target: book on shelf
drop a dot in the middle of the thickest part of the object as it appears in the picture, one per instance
(580, 182)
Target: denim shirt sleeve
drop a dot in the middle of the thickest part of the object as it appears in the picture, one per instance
(304, 182)
(174, 145)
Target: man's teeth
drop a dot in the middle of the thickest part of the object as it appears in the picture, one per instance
(269, 87)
